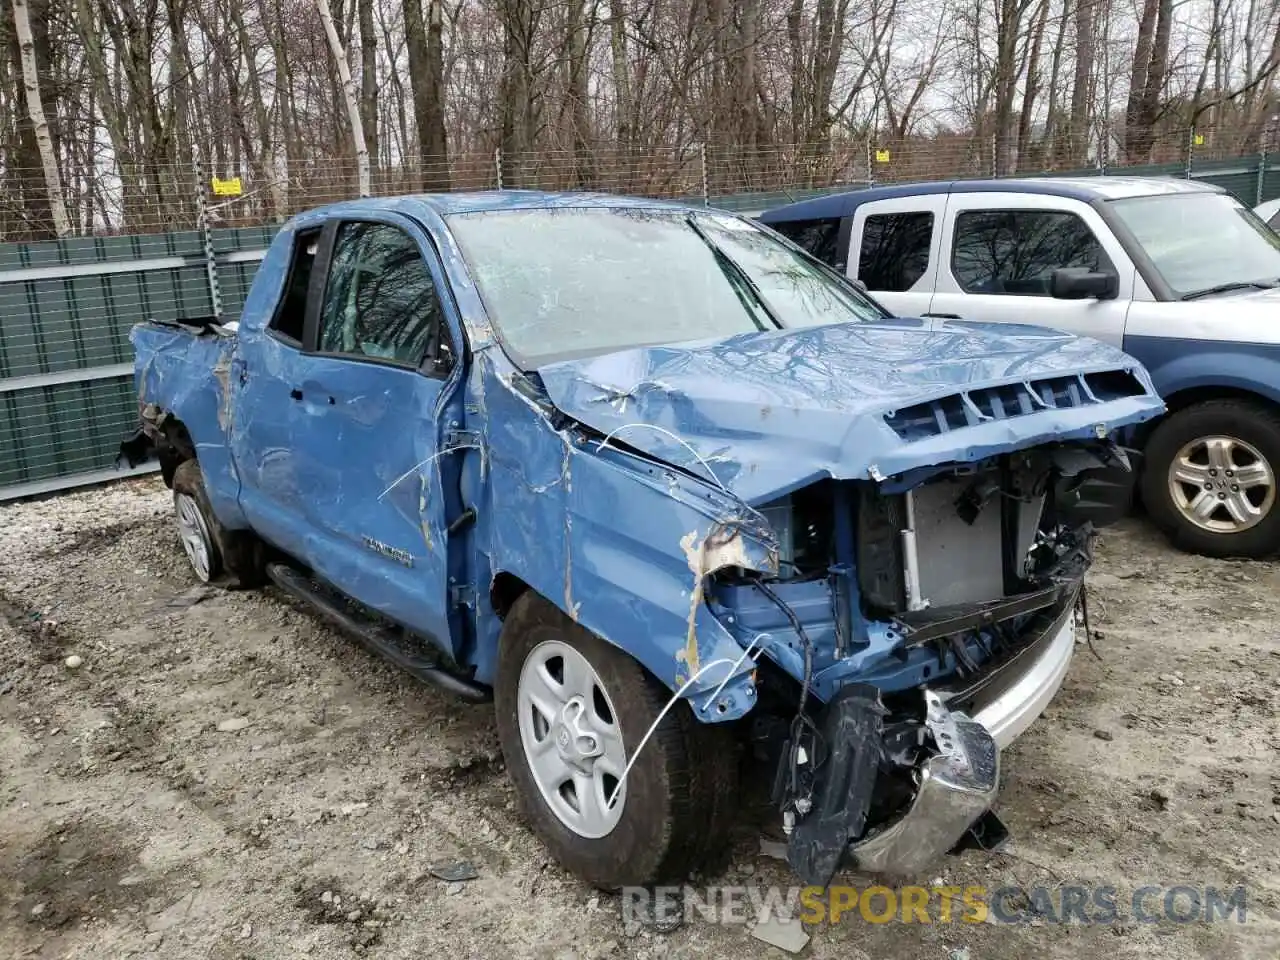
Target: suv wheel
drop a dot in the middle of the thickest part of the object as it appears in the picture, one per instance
(571, 712)
(1210, 478)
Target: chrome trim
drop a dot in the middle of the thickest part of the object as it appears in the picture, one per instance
(1014, 709)
(960, 783)
(956, 788)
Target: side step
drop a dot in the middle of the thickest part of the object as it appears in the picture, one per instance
(376, 639)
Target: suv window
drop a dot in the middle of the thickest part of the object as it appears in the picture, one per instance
(1014, 252)
(380, 300)
(820, 237)
(895, 250)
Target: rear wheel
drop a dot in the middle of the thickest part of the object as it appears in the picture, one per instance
(571, 712)
(230, 557)
(1210, 478)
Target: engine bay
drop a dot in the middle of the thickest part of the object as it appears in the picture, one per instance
(936, 584)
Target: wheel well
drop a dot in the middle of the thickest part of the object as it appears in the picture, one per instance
(175, 447)
(1182, 399)
(504, 591)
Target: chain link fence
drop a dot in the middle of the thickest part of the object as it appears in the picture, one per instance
(185, 241)
(133, 199)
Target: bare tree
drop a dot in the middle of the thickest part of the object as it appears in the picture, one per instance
(349, 94)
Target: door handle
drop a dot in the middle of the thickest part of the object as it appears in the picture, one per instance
(295, 393)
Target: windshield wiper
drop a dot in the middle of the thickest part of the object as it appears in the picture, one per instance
(1228, 287)
(736, 275)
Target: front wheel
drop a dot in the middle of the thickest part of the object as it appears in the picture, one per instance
(572, 711)
(1210, 478)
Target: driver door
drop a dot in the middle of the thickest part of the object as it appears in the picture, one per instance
(366, 398)
(999, 251)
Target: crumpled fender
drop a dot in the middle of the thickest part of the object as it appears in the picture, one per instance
(621, 545)
(187, 375)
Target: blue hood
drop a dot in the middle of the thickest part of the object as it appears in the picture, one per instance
(770, 412)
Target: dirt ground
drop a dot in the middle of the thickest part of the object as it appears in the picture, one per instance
(224, 777)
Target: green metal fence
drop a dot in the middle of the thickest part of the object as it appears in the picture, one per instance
(66, 365)
(66, 390)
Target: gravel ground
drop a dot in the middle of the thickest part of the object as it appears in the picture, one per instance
(224, 777)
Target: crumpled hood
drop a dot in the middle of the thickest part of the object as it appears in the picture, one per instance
(765, 413)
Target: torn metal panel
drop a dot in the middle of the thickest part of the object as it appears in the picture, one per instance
(622, 546)
(172, 372)
(765, 413)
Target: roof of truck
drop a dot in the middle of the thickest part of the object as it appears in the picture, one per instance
(445, 204)
(1086, 189)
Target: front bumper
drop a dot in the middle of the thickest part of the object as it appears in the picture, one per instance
(959, 784)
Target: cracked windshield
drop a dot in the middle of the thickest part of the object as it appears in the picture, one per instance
(572, 283)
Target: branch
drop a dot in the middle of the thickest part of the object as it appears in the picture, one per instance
(1271, 68)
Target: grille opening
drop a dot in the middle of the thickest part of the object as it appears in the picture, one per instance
(935, 417)
(1114, 384)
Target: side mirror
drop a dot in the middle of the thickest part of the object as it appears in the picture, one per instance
(858, 285)
(1081, 283)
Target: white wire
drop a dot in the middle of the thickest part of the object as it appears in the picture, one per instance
(697, 456)
(439, 453)
(613, 796)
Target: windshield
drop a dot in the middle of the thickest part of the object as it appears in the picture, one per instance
(1201, 241)
(581, 281)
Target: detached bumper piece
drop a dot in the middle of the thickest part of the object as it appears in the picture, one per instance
(951, 758)
(956, 788)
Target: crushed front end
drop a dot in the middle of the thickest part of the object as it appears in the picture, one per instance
(919, 624)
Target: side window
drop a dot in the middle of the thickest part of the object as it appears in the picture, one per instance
(380, 300)
(1274, 222)
(1015, 252)
(820, 237)
(292, 308)
(895, 250)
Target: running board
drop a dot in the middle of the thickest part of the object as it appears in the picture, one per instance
(376, 639)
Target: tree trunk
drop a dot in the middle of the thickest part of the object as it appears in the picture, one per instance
(369, 79)
(1147, 79)
(425, 43)
(518, 25)
(1082, 82)
(1031, 88)
(578, 31)
(1006, 83)
(624, 109)
(25, 189)
(35, 109)
(1053, 151)
(349, 94)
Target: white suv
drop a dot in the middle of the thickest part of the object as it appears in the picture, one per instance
(1178, 273)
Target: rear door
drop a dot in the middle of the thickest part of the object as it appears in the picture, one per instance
(999, 252)
(894, 247)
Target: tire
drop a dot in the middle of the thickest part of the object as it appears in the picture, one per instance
(675, 811)
(229, 558)
(1210, 478)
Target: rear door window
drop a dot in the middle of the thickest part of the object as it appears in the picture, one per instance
(895, 250)
(1014, 252)
(820, 237)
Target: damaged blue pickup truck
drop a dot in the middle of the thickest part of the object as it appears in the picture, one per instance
(676, 496)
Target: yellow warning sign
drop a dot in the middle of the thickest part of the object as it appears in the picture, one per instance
(227, 188)
(882, 156)
(1199, 141)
